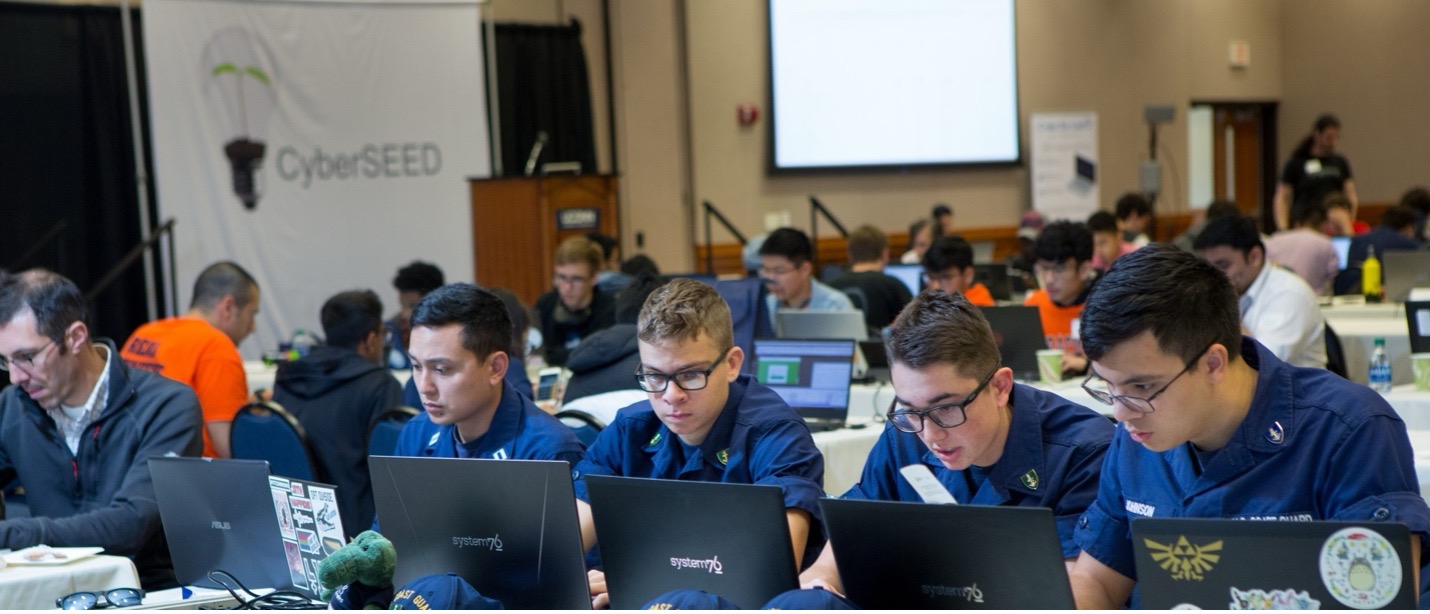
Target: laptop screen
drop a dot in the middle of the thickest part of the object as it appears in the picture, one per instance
(980, 557)
(510, 529)
(216, 515)
(911, 274)
(1343, 250)
(1018, 331)
(1255, 564)
(812, 375)
(657, 536)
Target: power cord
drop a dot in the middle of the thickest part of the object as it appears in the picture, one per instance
(275, 600)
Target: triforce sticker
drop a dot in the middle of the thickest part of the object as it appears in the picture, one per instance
(1360, 568)
(1257, 599)
(1184, 560)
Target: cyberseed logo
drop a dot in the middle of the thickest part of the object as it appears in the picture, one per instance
(1184, 560)
(711, 565)
(238, 76)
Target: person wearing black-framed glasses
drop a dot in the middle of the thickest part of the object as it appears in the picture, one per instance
(1214, 425)
(703, 420)
(78, 426)
(985, 438)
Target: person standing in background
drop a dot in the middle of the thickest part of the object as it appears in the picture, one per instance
(1314, 171)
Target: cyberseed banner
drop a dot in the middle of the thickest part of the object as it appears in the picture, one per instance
(319, 145)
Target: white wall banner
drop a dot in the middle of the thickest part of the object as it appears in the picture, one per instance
(319, 145)
(1064, 165)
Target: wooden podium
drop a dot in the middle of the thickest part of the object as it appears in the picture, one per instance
(517, 223)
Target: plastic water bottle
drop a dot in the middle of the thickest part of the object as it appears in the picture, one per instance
(1380, 368)
(303, 341)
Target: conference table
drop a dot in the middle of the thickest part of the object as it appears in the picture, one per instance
(261, 375)
(1359, 325)
(36, 587)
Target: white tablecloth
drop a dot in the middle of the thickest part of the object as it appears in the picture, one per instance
(1358, 334)
(34, 587)
(260, 375)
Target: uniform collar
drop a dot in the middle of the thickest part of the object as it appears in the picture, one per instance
(502, 431)
(715, 448)
(1270, 423)
(1020, 468)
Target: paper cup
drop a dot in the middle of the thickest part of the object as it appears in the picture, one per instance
(1050, 366)
(1421, 363)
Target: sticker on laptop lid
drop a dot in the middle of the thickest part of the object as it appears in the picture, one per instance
(928, 486)
(1258, 599)
(1360, 568)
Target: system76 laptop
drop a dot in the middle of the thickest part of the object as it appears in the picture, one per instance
(508, 527)
(916, 556)
(811, 375)
(1251, 564)
(1018, 331)
(230, 515)
(656, 536)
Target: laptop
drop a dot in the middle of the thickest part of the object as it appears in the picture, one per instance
(1343, 250)
(1404, 270)
(1248, 564)
(656, 536)
(825, 324)
(1018, 331)
(911, 274)
(916, 556)
(1417, 321)
(811, 375)
(508, 527)
(995, 277)
(211, 522)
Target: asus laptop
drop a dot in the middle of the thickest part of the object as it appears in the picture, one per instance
(917, 556)
(656, 536)
(1220, 564)
(1018, 331)
(231, 515)
(508, 527)
(1404, 270)
(811, 375)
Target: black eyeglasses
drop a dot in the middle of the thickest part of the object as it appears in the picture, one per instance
(24, 360)
(689, 380)
(947, 415)
(1141, 405)
(115, 598)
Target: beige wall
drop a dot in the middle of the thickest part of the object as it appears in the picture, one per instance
(1108, 56)
(1365, 62)
(1352, 57)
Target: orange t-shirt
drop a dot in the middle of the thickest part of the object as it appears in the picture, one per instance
(192, 351)
(979, 295)
(1057, 320)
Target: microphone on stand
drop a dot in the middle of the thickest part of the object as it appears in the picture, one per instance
(535, 152)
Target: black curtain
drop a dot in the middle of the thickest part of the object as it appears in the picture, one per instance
(543, 86)
(68, 153)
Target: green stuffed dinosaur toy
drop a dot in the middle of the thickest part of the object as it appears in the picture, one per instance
(365, 566)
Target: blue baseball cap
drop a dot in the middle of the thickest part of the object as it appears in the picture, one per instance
(441, 592)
